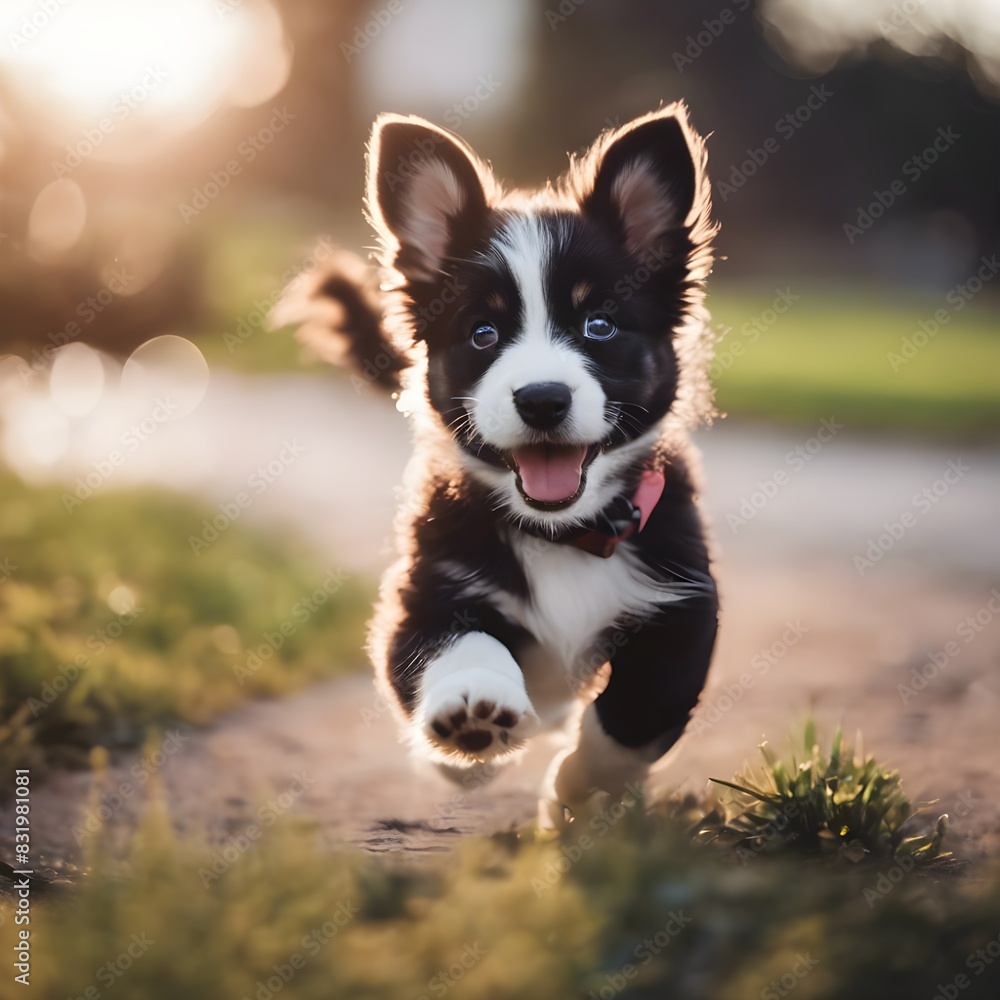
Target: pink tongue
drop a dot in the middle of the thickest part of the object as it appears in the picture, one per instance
(550, 472)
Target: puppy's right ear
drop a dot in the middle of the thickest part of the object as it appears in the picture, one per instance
(427, 195)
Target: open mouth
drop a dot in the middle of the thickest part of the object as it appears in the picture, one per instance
(551, 476)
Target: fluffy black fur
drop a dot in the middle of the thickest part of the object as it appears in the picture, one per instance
(630, 232)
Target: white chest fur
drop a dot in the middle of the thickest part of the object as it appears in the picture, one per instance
(574, 596)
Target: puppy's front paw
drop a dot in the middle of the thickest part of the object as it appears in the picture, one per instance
(475, 715)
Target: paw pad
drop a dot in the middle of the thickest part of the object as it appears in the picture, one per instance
(481, 728)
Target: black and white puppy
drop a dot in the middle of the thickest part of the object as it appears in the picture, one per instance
(551, 347)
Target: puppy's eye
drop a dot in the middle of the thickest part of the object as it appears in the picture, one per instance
(599, 328)
(484, 335)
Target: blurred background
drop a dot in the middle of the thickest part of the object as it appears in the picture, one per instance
(198, 149)
(194, 512)
(167, 168)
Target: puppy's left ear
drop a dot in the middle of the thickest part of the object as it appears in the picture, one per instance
(648, 180)
(427, 195)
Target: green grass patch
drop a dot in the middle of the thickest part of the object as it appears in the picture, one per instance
(110, 624)
(263, 352)
(249, 262)
(623, 903)
(831, 354)
(841, 800)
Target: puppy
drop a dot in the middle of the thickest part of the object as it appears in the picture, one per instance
(551, 348)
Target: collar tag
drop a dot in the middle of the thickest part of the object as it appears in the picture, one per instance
(646, 497)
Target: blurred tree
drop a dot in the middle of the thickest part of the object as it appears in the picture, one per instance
(592, 64)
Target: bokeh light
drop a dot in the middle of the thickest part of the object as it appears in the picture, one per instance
(166, 370)
(121, 600)
(76, 380)
(35, 434)
(99, 75)
(417, 65)
(815, 34)
(57, 220)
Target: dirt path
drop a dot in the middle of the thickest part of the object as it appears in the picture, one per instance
(832, 646)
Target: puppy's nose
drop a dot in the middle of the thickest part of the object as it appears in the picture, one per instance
(543, 405)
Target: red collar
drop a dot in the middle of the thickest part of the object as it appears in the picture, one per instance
(646, 497)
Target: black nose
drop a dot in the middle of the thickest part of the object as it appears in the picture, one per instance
(543, 405)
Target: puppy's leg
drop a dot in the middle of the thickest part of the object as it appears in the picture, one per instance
(656, 678)
(472, 705)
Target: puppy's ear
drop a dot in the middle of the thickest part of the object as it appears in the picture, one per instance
(645, 179)
(427, 194)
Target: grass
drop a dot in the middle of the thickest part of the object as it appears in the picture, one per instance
(627, 903)
(110, 624)
(830, 354)
(248, 265)
(838, 801)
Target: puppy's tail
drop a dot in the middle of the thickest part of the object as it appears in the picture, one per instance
(341, 315)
